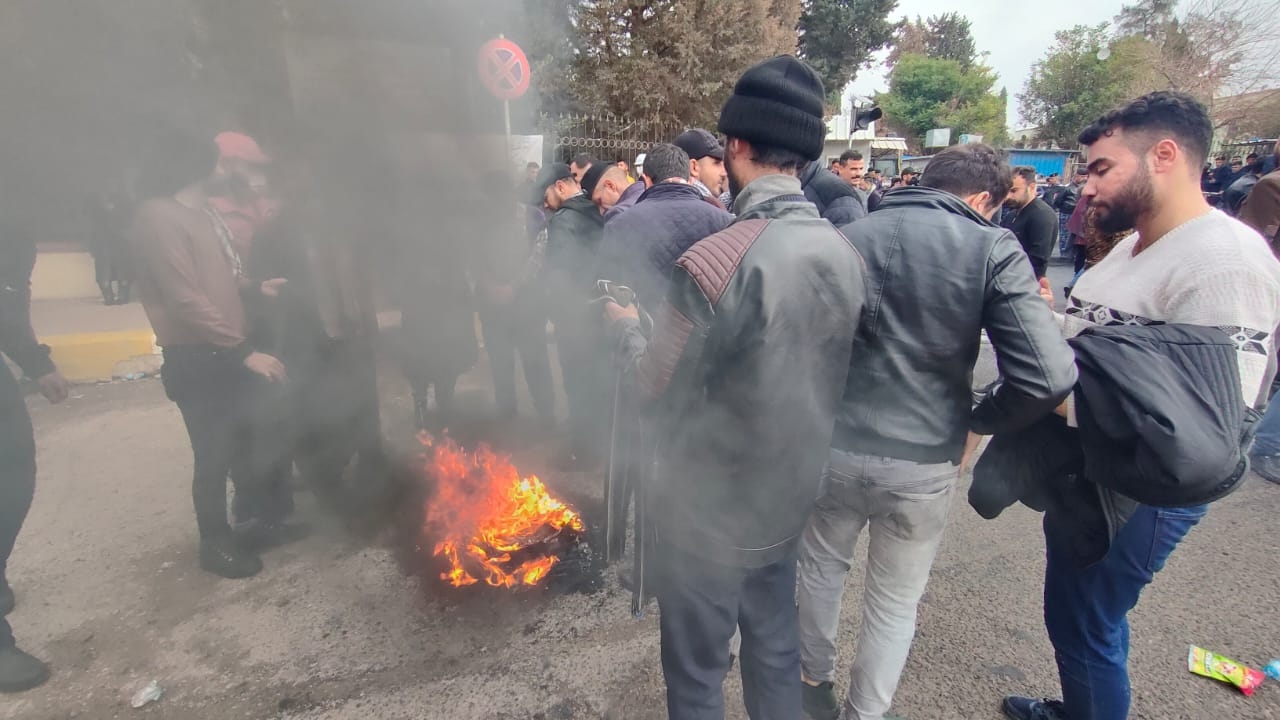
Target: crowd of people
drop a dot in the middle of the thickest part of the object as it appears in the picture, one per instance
(799, 343)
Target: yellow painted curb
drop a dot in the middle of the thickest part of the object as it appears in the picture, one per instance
(86, 357)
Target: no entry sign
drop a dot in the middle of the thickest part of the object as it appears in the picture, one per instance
(504, 69)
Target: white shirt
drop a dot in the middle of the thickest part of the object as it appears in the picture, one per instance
(1212, 270)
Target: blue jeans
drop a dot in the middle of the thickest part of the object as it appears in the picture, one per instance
(1086, 608)
(1267, 441)
(701, 603)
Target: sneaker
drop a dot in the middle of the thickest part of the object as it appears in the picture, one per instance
(224, 557)
(266, 534)
(820, 701)
(1267, 467)
(19, 671)
(7, 599)
(1025, 708)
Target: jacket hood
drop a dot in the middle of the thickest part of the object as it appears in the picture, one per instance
(916, 197)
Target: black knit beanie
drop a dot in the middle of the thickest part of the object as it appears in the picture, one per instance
(778, 102)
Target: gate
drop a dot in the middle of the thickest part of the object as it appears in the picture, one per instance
(606, 137)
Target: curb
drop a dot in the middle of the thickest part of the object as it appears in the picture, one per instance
(93, 357)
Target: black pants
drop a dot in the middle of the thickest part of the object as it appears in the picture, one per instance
(1082, 253)
(701, 605)
(509, 330)
(17, 474)
(267, 436)
(584, 365)
(337, 420)
(213, 392)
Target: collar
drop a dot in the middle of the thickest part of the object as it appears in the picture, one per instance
(702, 188)
(764, 189)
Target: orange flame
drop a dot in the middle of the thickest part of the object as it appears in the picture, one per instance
(483, 513)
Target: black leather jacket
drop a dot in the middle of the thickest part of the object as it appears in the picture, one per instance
(938, 274)
(1068, 199)
(743, 376)
(836, 199)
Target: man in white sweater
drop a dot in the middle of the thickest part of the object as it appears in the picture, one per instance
(1186, 263)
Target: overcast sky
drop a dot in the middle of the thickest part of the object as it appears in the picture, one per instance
(1014, 34)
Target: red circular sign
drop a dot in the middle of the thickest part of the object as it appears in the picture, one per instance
(504, 69)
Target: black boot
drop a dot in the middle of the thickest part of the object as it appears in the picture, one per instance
(19, 671)
(108, 295)
(266, 534)
(122, 293)
(224, 556)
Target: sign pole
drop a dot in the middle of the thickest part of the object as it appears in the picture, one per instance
(506, 116)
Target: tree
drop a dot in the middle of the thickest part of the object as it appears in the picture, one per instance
(943, 37)
(950, 37)
(837, 38)
(1145, 18)
(1071, 86)
(673, 60)
(926, 93)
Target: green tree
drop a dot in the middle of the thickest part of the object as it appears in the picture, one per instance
(673, 60)
(926, 93)
(1145, 18)
(950, 37)
(837, 38)
(1071, 85)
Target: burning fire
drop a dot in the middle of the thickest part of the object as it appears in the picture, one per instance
(487, 522)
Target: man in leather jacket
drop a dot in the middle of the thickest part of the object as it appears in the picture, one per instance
(742, 376)
(939, 272)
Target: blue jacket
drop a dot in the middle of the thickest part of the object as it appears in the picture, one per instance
(641, 245)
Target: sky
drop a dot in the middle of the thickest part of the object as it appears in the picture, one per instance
(1015, 35)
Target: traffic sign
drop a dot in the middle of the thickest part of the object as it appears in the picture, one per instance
(504, 69)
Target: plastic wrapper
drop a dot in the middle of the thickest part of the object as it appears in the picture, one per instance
(1212, 665)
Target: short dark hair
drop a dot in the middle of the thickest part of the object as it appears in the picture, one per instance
(836, 161)
(848, 155)
(665, 161)
(777, 157)
(969, 169)
(1223, 158)
(583, 160)
(1165, 111)
(531, 165)
(1027, 172)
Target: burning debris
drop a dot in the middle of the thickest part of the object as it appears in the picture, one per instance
(484, 523)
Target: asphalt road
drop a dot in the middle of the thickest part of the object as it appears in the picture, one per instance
(334, 630)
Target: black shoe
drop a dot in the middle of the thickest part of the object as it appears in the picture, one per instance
(7, 599)
(820, 701)
(264, 535)
(1267, 467)
(1025, 708)
(19, 671)
(224, 556)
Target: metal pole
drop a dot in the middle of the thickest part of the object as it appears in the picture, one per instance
(506, 119)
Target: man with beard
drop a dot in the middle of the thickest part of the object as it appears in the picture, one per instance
(748, 358)
(907, 410)
(1034, 223)
(706, 163)
(1185, 263)
(18, 670)
(187, 239)
(573, 241)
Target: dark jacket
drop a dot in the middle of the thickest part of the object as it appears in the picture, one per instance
(640, 248)
(836, 200)
(573, 240)
(1174, 434)
(1067, 201)
(17, 340)
(744, 373)
(1261, 210)
(938, 274)
(1052, 193)
(1036, 227)
(1235, 195)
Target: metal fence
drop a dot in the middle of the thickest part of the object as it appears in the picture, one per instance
(605, 137)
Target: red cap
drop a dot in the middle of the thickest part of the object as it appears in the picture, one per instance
(241, 147)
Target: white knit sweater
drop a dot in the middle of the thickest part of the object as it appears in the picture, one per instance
(1212, 270)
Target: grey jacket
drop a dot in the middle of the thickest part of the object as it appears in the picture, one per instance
(938, 274)
(743, 375)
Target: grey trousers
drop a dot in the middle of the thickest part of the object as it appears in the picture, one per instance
(904, 506)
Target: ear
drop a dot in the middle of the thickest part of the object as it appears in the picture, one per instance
(1164, 155)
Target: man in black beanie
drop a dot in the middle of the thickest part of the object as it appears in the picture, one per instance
(747, 362)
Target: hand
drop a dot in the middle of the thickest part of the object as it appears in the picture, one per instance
(1061, 410)
(970, 447)
(266, 366)
(1046, 291)
(271, 288)
(53, 387)
(614, 312)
